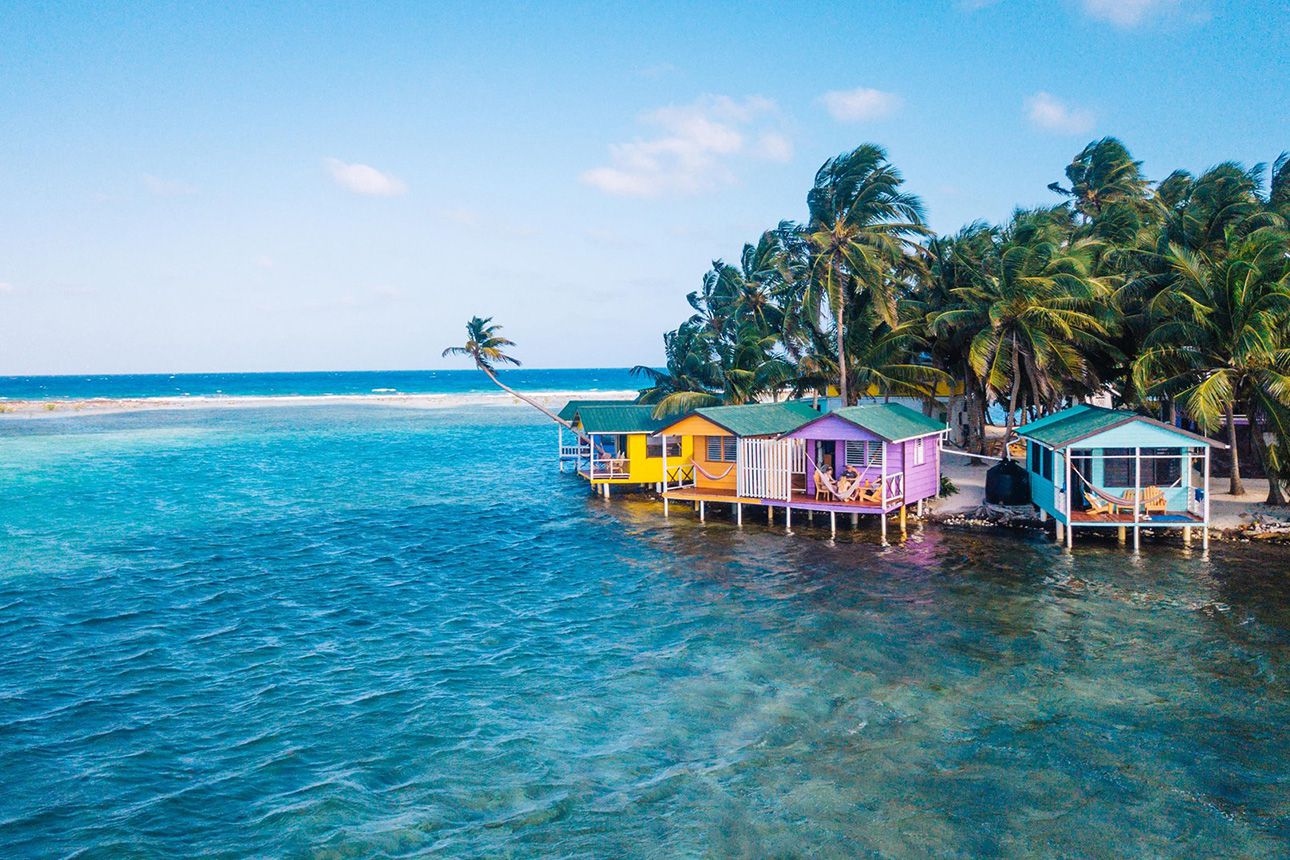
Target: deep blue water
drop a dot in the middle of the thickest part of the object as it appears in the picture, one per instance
(311, 384)
(360, 631)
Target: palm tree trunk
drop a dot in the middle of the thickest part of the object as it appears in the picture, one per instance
(531, 402)
(1011, 420)
(1259, 445)
(1234, 487)
(842, 351)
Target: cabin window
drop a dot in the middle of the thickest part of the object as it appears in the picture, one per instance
(654, 446)
(722, 449)
(920, 452)
(1046, 459)
(864, 453)
(1032, 458)
(1164, 467)
(1161, 467)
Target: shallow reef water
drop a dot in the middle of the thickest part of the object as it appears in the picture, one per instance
(364, 631)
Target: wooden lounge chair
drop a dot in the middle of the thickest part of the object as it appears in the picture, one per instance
(1153, 500)
(821, 489)
(871, 493)
(1097, 507)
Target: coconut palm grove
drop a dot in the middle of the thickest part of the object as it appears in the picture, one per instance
(1171, 294)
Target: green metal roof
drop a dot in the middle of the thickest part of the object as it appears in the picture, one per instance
(571, 408)
(891, 421)
(620, 418)
(1068, 426)
(760, 419)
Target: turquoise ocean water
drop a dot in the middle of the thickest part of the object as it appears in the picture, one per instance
(366, 631)
(311, 384)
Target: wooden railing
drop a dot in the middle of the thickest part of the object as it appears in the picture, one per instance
(614, 467)
(894, 488)
(679, 476)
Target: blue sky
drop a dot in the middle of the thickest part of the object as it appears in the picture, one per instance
(196, 188)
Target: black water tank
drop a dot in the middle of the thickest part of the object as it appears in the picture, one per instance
(1007, 484)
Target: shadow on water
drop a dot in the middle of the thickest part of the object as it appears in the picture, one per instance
(364, 631)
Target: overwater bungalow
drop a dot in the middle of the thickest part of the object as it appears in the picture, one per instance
(626, 448)
(716, 435)
(875, 459)
(1101, 468)
(860, 460)
(575, 451)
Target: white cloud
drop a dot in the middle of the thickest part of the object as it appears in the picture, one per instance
(6, 287)
(774, 146)
(1050, 113)
(1128, 13)
(693, 150)
(860, 104)
(264, 261)
(364, 179)
(166, 187)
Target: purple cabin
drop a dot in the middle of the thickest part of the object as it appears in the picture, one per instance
(870, 459)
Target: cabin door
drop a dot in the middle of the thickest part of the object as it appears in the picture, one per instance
(1081, 464)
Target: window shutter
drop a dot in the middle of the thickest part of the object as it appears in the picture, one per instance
(714, 449)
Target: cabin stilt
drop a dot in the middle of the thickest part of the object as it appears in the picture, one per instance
(1121, 534)
(855, 520)
(903, 508)
(833, 522)
(701, 512)
(788, 519)
(920, 509)
(665, 506)
(882, 518)
(770, 516)
(739, 513)
(1060, 537)
(1186, 535)
(1137, 538)
(1070, 536)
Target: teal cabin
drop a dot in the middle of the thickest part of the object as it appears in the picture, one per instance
(1091, 467)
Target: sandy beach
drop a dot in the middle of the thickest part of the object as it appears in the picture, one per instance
(54, 408)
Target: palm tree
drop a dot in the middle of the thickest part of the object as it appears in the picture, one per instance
(861, 224)
(487, 349)
(1225, 344)
(956, 261)
(689, 380)
(1035, 314)
(1103, 175)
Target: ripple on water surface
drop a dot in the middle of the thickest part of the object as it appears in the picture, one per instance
(378, 632)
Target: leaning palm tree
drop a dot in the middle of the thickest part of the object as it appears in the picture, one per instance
(861, 224)
(487, 349)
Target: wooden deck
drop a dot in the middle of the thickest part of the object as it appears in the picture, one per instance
(1165, 520)
(709, 494)
(799, 501)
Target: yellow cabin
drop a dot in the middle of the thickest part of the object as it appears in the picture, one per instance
(626, 447)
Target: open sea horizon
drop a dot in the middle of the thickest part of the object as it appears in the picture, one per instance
(311, 383)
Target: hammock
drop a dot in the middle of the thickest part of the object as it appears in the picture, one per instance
(711, 477)
(852, 491)
(1118, 501)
